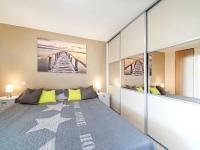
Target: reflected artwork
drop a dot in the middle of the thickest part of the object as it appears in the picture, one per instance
(134, 66)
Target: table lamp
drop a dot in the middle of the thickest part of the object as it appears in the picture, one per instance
(9, 90)
(162, 85)
(97, 86)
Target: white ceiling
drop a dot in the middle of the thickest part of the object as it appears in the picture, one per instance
(93, 19)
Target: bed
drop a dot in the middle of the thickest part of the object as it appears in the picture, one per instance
(80, 125)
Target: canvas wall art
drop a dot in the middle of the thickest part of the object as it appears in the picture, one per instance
(134, 66)
(61, 57)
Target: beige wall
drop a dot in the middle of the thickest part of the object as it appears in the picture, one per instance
(18, 60)
(170, 71)
(158, 68)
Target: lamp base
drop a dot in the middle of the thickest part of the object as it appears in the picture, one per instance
(9, 95)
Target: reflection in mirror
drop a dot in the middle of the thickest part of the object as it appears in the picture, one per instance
(114, 74)
(133, 73)
(175, 71)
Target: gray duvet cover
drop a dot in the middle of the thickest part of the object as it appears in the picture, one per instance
(84, 125)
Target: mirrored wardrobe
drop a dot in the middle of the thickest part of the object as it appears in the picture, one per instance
(154, 73)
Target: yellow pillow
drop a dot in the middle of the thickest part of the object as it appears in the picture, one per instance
(154, 90)
(74, 95)
(47, 97)
(140, 89)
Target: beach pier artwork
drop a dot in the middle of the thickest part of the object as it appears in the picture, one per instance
(61, 57)
(134, 66)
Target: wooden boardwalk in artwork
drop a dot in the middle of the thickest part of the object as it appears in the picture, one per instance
(62, 61)
(62, 64)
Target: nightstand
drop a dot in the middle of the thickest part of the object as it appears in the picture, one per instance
(104, 97)
(6, 102)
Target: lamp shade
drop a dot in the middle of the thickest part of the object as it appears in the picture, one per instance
(9, 88)
(97, 85)
(162, 85)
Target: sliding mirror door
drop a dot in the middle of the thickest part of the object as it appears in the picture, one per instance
(173, 98)
(114, 85)
(132, 92)
(114, 72)
(132, 72)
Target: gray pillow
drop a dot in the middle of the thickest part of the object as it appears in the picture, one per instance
(161, 90)
(31, 96)
(61, 94)
(88, 93)
(18, 99)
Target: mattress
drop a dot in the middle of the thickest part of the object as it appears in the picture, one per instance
(83, 125)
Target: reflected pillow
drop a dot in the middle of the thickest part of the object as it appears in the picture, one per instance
(74, 95)
(161, 90)
(140, 89)
(154, 90)
(47, 97)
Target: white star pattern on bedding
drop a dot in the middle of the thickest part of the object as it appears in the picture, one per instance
(51, 123)
(49, 145)
(57, 107)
